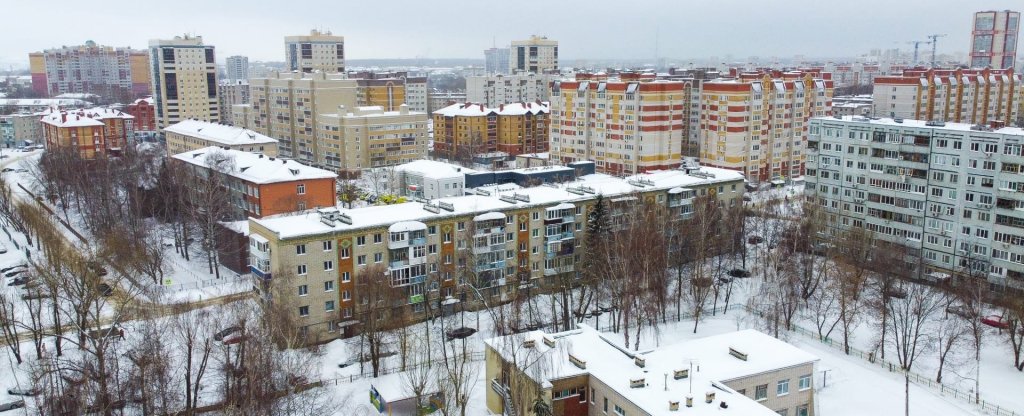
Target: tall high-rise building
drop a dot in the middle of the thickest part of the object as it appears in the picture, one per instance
(115, 74)
(496, 60)
(184, 76)
(496, 89)
(959, 95)
(537, 54)
(756, 122)
(315, 52)
(626, 125)
(994, 39)
(237, 68)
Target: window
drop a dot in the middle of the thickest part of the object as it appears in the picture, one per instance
(378, 257)
(346, 277)
(303, 290)
(300, 189)
(328, 265)
(329, 306)
(761, 392)
(361, 240)
(378, 238)
(606, 405)
(329, 286)
(303, 310)
(346, 296)
(328, 245)
(345, 253)
(783, 412)
(801, 410)
(301, 269)
(805, 382)
(300, 249)
(619, 411)
(782, 388)
(361, 260)
(447, 237)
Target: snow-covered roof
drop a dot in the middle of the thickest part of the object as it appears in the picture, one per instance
(476, 109)
(1016, 131)
(70, 119)
(308, 223)
(147, 100)
(254, 167)
(42, 102)
(433, 169)
(406, 226)
(219, 133)
(617, 368)
(488, 216)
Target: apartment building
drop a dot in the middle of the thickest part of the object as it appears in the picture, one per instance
(190, 135)
(288, 106)
(497, 89)
(756, 122)
(582, 371)
(437, 100)
(232, 93)
(184, 77)
(259, 185)
(369, 137)
(950, 192)
(538, 54)
(116, 74)
(237, 68)
(394, 88)
(145, 115)
(462, 131)
(626, 125)
(21, 127)
(94, 132)
(957, 95)
(34, 105)
(503, 234)
(994, 39)
(319, 51)
(693, 80)
(496, 60)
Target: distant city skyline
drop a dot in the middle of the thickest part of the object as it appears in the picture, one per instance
(601, 30)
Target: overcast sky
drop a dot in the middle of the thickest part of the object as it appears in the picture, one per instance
(594, 29)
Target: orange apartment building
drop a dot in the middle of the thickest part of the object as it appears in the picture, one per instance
(262, 185)
(468, 129)
(626, 125)
(977, 96)
(756, 122)
(94, 132)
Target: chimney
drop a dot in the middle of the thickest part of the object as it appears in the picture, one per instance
(501, 107)
(689, 401)
(709, 397)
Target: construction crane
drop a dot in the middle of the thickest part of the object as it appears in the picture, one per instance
(917, 45)
(934, 42)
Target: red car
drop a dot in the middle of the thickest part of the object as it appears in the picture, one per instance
(996, 321)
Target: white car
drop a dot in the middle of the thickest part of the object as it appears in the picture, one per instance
(3, 249)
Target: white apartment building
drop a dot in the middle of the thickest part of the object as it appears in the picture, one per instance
(497, 89)
(232, 93)
(318, 51)
(951, 192)
(184, 76)
(537, 54)
(237, 68)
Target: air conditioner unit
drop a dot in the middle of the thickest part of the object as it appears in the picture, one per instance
(944, 232)
(985, 206)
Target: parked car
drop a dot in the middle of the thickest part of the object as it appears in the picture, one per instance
(219, 336)
(15, 272)
(11, 268)
(234, 338)
(755, 239)
(111, 332)
(3, 249)
(104, 289)
(960, 311)
(17, 391)
(996, 321)
(739, 273)
(348, 362)
(7, 170)
(16, 404)
(460, 333)
(95, 267)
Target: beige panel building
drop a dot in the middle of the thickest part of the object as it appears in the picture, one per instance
(318, 51)
(369, 137)
(538, 54)
(194, 135)
(184, 76)
(498, 89)
(978, 96)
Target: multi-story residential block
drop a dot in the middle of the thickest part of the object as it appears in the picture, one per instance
(145, 116)
(951, 193)
(232, 93)
(92, 132)
(627, 125)
(116, 74)
(957, 95)
(195, 134)
(437, 100)
(693, 79)
(462, 131)
(994, 39)
(756, 122)
(314, 263)
(496, 60)
(494, 90)
(583, 372)
(392, 86)
(184, 76)
(35, 105)
(237, 68)
(288, 106)
(537, 54)
(317, 51)
(22, 128)
(259, 185)
(369, 137)
(852, 109)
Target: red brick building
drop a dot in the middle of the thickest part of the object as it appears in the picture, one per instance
(144, 113)
(94, 132)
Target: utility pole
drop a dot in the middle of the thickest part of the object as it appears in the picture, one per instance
(934, 42)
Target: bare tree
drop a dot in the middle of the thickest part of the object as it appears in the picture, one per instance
(1014, 314)
(191, 330)
(854, 253)
(910, 328)
(375, 315)
(9, 327)
(951, 332)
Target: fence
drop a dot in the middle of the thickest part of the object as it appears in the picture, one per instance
(225, 279)
(473, 357)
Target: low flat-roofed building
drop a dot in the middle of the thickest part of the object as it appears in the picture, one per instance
(189, 135)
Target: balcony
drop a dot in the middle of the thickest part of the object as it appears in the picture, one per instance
(559, 236)
(418, 241)
(490, 266)
(480, 232)
(259, 273)
(488, 249)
